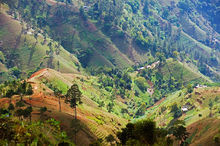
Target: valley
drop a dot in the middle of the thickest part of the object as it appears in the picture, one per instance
(109, 72)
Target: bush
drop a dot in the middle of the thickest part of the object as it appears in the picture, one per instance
(43, 110)
(11, 107)
(141, 83)
(189, 88)
(20, 104)
(143, 132)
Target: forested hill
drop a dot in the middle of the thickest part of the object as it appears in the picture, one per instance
(113, 33)
(103, 68)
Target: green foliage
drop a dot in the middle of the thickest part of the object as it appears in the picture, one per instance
(143, 132)
(110, 138)
(114, 78)
(73, 96)
(143, 42)
(135, 5)
(141, 83)
(189, 88)
(176, 111)
(110, 107)
(20, 104)
(15, 72)
(11, 107)
(179, 131)
(2, 58)
(16, 87)
(43, 110)
(15, 132)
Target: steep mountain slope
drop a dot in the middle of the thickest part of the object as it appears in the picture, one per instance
(124, 33)
(199, 110)
(99, 122)
(94, 122)
(29, 50)
(201, 103)
(205, 132)
(154, 59)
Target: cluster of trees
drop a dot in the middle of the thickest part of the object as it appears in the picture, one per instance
(176, 111)
(15, 87)
(114, 78)
(142, 84)
(162, 86)
(209, 10)
(145, 132)
(13, 132)
(21, 88)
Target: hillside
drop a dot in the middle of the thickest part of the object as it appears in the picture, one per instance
(126, 33)
(205, 131)
(25, 50)
(109, 72)
(197, 103)
(94, 122)
(194, 109)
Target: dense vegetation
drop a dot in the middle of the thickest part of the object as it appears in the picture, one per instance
(14, 131)
(145, 132)
(137, 59)
(16, 87)
(147, 27)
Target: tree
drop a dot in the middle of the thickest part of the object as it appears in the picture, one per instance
(179, 131)
(145, 130)
(161, 57)
(29, 90)
(15, 72)
(11, 107)
(9, 94)
(27, 112)
(176, 111)
(42, 110)
(126, 133)
(22, 90)
(73, 97)
(58, 93)
(110, 138)
(189, 88)
(175, 55)
(110, 106)
(19, 113)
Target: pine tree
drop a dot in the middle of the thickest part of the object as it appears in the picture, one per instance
(73, 97)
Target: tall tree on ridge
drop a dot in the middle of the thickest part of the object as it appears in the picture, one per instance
(73, 97)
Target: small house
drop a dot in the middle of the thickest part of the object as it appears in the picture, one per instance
(184, 108)
(141, 68)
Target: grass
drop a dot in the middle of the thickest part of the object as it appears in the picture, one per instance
(181, 71)
(97, 120)
(32, 56)
(192, 115)
(189, 140)
(204, 130)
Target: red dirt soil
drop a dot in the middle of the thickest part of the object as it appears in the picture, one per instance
(204, 136)
(38, 73)
(44, 97)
